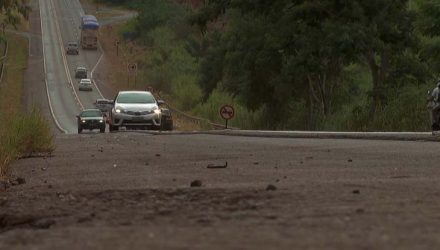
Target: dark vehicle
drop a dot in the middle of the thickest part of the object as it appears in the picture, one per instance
(72, 48)
(91, 119)
(166, 120)
(104, 105)
(81, 72)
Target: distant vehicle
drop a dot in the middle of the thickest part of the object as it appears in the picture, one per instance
(104, 105)
(81, 72)
(135, 109)
(72, 48)
(89, 32)
(85, 84)
(91, 119)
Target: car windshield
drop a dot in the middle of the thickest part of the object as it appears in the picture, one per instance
(73, 45)
(135, 98)
(84, 81)
(91, 113)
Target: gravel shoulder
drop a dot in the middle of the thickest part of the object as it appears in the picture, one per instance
(132, 191)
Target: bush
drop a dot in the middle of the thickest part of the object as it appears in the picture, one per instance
(186, 92)
(23, 136)
(244, 119)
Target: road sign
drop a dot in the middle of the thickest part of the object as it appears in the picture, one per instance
(132, 67)
(227, 112)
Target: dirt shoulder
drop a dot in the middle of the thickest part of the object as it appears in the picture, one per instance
(132, 191)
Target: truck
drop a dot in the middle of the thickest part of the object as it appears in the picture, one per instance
(89, 32)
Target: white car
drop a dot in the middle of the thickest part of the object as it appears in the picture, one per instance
(135, 109)
(85, 84)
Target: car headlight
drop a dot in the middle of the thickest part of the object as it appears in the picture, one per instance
(83, 121)
(118, 110)
(101, 121)
(156, 110)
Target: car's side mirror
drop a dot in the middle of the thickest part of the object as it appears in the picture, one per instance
(160, 102)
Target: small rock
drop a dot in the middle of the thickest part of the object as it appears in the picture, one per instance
(196, 183)
(360, 211)
(356, 191)
(271, 187)
(278, 180)
(256, 163)
(101, 149)
(43, 168)
(157, 155)
(146, 164)
(83, 219)
(349, 160)
(21, 180)
(115, 165)
(49, 186)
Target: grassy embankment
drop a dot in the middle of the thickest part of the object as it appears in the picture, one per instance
(21, 135)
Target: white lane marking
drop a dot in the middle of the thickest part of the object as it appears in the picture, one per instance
(93, 70)
(66, 67)
(45, 74)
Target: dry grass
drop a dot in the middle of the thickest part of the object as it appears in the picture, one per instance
(20, 134)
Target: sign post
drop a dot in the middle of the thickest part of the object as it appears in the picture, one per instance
(117, 47)
(227, 112)
(131, 69)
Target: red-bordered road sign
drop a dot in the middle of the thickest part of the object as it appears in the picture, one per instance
(227, 112)
(132, 67)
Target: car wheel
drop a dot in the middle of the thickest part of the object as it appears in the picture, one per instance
(102, 130)
(113, 128)
(80, 130)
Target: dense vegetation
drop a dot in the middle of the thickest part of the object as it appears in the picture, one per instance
(295, 64)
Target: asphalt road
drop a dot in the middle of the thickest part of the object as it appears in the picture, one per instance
(132, 191)
(60, 24)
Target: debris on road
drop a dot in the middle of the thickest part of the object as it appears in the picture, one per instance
(196, 183)
(271, 187)
(356, 191)
(218, 165)
(350, 160)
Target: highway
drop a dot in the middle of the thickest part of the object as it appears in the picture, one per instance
(60, 22)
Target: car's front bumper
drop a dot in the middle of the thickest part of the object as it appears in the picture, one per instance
(87, 88)
(122, 119)
(95, 124)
